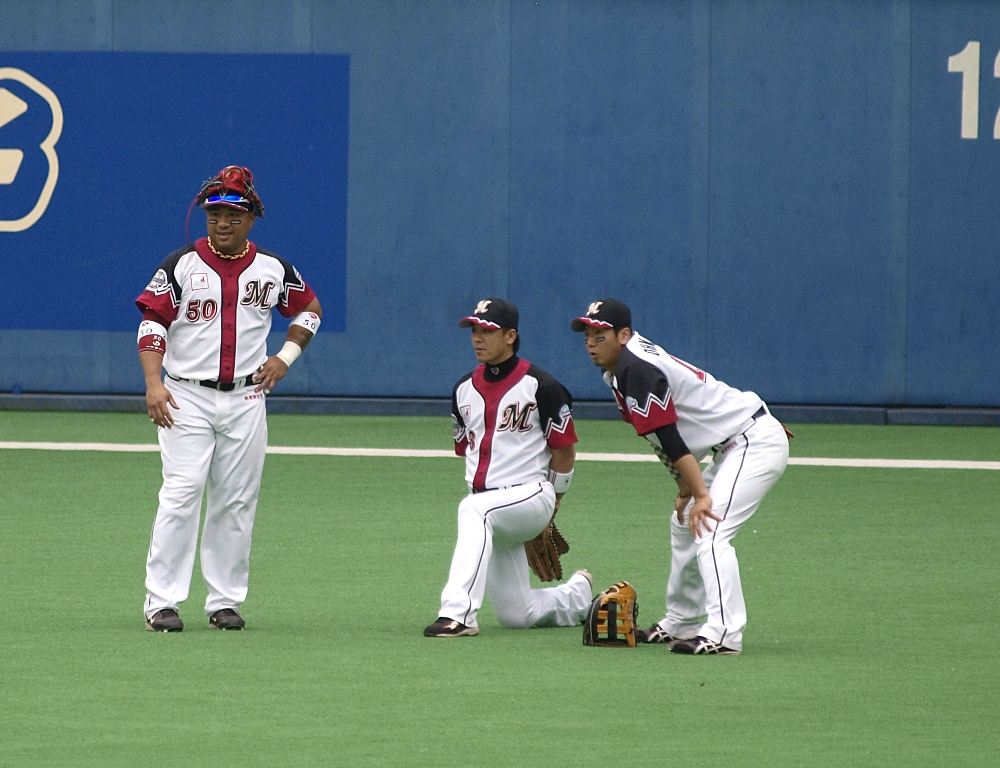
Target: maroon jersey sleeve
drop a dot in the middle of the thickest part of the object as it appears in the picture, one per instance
(646, 394)
(555, 409)
(163, 294)
(295, 294)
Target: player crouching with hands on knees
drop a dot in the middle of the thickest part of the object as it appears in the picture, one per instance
(687, 415)
(206, 316)
(513, 423)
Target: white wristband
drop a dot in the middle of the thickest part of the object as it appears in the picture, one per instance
(308, 320)
(560, 480)
(289, 353)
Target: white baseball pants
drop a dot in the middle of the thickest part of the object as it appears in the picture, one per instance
(489, 559)
(217, 444)
(704, 593)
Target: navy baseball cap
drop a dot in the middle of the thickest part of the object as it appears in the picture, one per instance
(604, 313)
(492, 313)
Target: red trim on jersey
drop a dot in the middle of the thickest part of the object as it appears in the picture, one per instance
(492, 393)
(161, 304)
(653, 415)
(229, 270)
(563, 438)
(298, 300)
(155, 317)
(621, 406)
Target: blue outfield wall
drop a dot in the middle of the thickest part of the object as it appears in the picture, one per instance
(781, 190)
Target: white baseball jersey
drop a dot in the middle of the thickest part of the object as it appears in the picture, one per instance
(506, 420)
(654, 389)
(218, 311)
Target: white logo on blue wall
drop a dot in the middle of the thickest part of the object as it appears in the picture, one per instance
(12, 107)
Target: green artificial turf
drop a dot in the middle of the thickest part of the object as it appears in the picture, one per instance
(871, 595)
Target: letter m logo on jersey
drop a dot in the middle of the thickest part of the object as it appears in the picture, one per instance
(515, 418)
(256, 295)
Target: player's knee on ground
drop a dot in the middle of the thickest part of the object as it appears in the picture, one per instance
(514, 614)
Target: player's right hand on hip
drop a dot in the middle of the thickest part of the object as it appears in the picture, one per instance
(270, 373)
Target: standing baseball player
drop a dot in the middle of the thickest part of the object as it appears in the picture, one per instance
(688, 415)
(513, 423)
(206, 316)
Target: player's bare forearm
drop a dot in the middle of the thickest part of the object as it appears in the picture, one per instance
(563, 459)
(152, 366)
(274, 368)
(694, 483)
(300, 335)
(158, 397)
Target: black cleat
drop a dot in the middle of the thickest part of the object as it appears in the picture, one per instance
(654, 635)
(445, 627)
(702, 646)
(165, 620)
(227, 618)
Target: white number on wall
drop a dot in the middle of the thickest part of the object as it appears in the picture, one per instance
(967, 62)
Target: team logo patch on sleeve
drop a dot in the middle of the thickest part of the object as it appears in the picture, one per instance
(160, 283)
(562, 424)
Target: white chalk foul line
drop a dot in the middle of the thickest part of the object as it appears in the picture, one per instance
(117, 447)
(411, 453)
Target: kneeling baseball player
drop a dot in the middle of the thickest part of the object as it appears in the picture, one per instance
(513, 423)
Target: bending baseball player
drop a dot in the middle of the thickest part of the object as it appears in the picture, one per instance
(513, 423)
(206, 316)
(688, 415)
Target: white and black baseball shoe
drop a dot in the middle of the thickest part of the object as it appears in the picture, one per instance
(702, 646)
(165, 620)
(226, 618)
(654, 635)
(445, 627)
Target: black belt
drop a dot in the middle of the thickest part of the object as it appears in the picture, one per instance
(761, 412)
(483, 490)
(219, 386)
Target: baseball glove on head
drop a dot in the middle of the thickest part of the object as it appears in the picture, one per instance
(233, 181)
(543, 553)
(612, 617)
